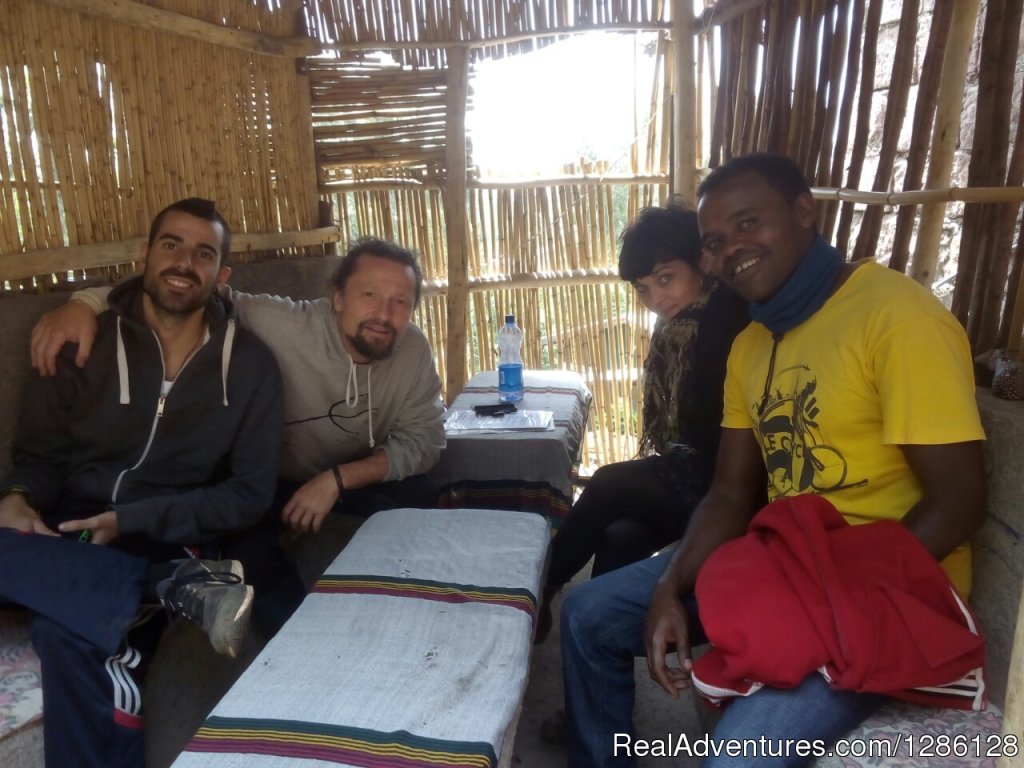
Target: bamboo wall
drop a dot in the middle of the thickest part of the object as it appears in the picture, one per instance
(380, 145)
(106, 123)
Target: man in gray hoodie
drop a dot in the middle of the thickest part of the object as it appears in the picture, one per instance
(363, 410)
(159, 446)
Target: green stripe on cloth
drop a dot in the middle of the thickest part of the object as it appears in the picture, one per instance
(423, 589)
(338, 744)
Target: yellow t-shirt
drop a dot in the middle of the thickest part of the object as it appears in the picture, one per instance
(881, 364)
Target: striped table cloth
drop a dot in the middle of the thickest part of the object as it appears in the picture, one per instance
(525, 471)
(412, 651)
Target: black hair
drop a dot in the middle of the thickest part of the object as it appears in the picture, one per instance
(658, 235)
(781, 174)
(384, 249)
(201, 209)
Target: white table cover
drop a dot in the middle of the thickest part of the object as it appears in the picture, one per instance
(413, 650)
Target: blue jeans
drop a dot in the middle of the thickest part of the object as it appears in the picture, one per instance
(602, 633)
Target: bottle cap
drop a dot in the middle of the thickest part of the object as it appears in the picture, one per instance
(510, 319)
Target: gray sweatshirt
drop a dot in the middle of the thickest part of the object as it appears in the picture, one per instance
(391, 405)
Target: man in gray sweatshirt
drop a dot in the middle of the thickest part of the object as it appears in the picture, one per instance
(363, 411)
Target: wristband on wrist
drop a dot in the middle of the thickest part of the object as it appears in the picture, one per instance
(337, 479)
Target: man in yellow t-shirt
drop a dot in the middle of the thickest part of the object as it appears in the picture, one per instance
(852, 382)
(894, 371)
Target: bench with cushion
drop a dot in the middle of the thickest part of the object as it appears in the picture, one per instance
(413, 649)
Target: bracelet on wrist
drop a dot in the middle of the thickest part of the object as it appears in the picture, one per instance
(337, 479)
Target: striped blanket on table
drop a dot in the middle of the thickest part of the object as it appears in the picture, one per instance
(412, 651)
(518, 470)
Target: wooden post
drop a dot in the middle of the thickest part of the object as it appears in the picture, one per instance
(944, 138)
(311, 167)
(684, 103)
(454, 193)
(1013, 712)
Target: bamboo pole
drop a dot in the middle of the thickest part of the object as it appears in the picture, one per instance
(929, 196)
(830, 46)
(895, 113)
(684, 137)
(769, 74)
(455, 220)
(1015, 175)
(720, 99)
(845, 111)
(982, 261)
(921, 132)
(803, 82)
(860, 134)
(944, 137)
(782, 100)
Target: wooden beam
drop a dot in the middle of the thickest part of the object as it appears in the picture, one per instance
(601, 276)
(684, 103)
(19, 266)
(919, 196)
(454, 193)
(427, 183)
(304, 123)
(516, 37)
(726, 10)
(159, 20)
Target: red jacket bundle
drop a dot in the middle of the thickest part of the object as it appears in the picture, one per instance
(865, 605)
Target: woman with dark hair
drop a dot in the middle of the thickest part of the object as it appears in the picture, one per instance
(631, 509)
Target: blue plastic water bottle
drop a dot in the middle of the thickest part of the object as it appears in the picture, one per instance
(510, 361)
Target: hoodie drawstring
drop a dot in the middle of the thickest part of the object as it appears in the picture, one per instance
(352, 392)
(122, 367)
(225, 358)
(225, 361)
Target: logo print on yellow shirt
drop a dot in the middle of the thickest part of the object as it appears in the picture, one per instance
(797, 458)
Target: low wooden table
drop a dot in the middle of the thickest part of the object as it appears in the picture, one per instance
(523, 471)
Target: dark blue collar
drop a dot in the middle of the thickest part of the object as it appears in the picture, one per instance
(807, 289)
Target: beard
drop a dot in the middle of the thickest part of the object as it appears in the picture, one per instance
(373, 350)
(171, 303)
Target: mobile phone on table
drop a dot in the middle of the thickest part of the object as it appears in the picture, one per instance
(497, 409)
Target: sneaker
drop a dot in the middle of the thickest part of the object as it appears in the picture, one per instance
(211, 594)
